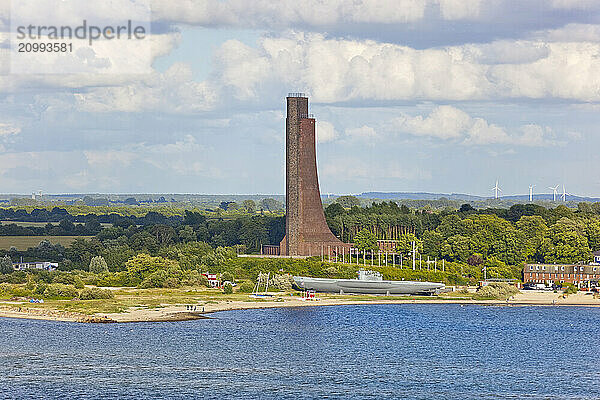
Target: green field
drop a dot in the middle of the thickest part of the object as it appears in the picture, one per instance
(24, 242)
(42, 224)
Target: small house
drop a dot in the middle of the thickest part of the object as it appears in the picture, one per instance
(212, 280)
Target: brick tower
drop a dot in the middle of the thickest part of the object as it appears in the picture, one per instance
(306, 231)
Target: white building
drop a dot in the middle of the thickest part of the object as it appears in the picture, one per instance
(45, 265)
(596, 257)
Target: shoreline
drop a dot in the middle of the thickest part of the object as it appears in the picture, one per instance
(172, 313)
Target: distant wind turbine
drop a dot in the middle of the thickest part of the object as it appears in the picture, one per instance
(564, 194)
(531, 193)
(496, 189)
(554, 192)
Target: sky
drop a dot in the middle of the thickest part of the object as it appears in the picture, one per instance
(443, 96)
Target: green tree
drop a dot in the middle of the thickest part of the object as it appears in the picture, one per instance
(117, 255)
(98, 265)
(432, 243)
(534, 228)
(405, 244)
(228, 288)
(592, 232)
(365, 240)
(456, 248)
(142, 265)
(249, 206)
(333, 210)
(348, 201)
(269, 204)
(6, 266)
(187, 234)
(566, 243)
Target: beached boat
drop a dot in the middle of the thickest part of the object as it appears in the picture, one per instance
(368, 282)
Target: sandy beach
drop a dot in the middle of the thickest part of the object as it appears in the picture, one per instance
(204, 309)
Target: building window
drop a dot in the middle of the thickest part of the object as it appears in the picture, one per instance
(562, 268)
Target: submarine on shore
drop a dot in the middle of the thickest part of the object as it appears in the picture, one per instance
(368, 282)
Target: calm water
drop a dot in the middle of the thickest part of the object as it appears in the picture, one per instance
(373, 351)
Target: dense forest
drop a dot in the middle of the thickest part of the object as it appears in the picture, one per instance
(492, 237)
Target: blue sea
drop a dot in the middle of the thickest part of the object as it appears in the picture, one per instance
(410, 351)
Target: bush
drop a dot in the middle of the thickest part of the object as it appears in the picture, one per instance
(497, 290)
(192, 278)
(283, 282)
(116, 279)
(246, 287)
(60, 291)
(5, 290)
(160, 279)
(228, 288)
(6, 266)
(98, 265)
(227, 276)
(95, 293)
(68, 279)
(569, 288)
(15, 277)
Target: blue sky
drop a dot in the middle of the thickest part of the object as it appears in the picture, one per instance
(412, 95)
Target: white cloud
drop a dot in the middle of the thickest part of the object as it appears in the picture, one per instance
(7, 129)
(570, 33)
(325, 132)
(481, 132)
(576, 4)
(450, 123)
(337, 70)
(174, 91)
(103, 158)
(460, 9)
(444, 122)
(508, 52)
(112, 68)
(284, 13)
(364, 132)
(183, 157)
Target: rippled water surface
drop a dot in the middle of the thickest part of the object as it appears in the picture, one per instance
(412, 351)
